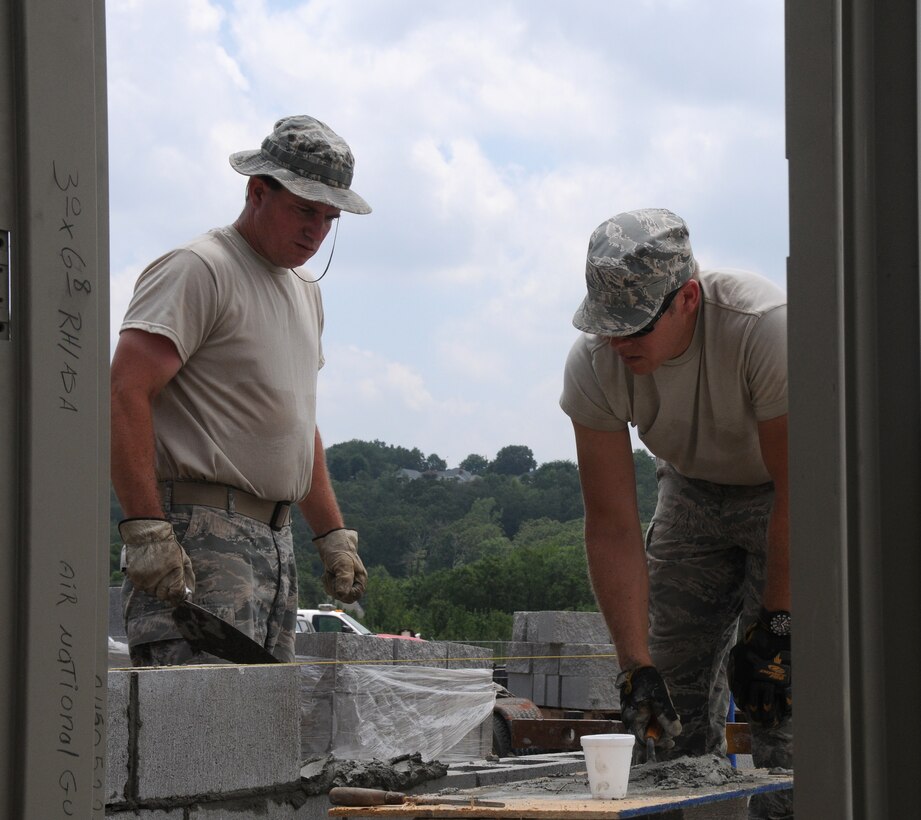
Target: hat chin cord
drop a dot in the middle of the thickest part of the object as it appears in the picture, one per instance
(328, 261)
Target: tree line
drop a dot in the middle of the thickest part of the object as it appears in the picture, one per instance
(455, 559)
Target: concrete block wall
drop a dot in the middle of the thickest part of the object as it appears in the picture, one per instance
(563, 660)
(210, 742)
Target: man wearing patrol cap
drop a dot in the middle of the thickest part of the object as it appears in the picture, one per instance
(696, 361)
(214, 432)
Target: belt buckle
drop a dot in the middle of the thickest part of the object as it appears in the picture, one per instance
(280, 515)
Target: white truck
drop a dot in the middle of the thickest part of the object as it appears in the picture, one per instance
(326, 618)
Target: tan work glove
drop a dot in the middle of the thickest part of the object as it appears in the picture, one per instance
(156, 563)
(345, 576)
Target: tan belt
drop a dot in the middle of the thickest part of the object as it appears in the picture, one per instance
(277, 514)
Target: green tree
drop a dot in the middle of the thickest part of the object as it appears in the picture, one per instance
(647, 491)
(435, 462)
(475, 464)
(468, 538)
(515, 459)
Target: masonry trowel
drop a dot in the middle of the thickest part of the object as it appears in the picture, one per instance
(206, 632)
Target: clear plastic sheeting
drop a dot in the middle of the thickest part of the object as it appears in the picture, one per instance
(373, 712)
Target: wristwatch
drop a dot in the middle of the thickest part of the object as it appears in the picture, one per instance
(778, 622)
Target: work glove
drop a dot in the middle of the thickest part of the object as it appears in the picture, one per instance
(644, 702)
(155, 562)
(344, 576)
(760, 670)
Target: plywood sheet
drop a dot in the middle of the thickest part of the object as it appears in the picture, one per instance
(538, 801)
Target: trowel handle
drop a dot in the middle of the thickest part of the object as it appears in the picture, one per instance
(353, 796)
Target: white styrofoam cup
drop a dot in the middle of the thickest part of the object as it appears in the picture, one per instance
(607, 759)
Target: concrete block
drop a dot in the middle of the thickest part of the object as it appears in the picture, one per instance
(209, 730)
(486, 773)
(521, 686)
(243, 808)
(419, 653)
(475, 745)
(145, 814)
(552, 692)
(589, 659)
(316, 724)
(539, 689)
(567, 627)
(589, 693)
(518, 658)
(117, 752)
(546, 658)
(520, 626)
(468, 656)
(343, 647)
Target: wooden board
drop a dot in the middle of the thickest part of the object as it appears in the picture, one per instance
(546, 806)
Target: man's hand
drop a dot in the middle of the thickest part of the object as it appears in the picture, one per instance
(156, 563)
(644, 697)
(344, 576)
(760, 671)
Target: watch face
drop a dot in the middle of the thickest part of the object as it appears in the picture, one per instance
(780, 623)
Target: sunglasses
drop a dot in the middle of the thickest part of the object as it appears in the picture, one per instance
(650, 326)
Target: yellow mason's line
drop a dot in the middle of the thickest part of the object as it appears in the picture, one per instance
(333, 662)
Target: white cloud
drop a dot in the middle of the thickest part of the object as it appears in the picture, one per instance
(491, 139)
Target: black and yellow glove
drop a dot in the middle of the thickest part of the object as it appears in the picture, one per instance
(644, 697)
(760, 670)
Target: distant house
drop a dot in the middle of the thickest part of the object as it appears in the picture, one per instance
(454, 474)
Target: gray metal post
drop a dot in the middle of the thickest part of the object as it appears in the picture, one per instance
(53, 408)
(855, 413)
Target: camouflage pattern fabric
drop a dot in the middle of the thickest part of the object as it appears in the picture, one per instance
(309, 159)
(705, 550)
(634, 260)
(244, 573)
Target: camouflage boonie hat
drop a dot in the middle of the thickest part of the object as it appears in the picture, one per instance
(310, 159)
(635, 259)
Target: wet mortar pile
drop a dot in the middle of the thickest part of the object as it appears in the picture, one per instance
(321, 774)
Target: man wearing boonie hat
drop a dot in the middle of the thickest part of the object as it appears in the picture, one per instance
(696, 361)
(214, 434)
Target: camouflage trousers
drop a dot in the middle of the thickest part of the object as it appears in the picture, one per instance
(244, 573)
(705, 550)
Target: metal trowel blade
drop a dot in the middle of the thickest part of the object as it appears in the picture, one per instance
(205, 632)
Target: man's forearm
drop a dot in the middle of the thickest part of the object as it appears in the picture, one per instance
(134, 475)
(621, 584)
(777, 567)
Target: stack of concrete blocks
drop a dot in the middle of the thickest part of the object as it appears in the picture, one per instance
(563, 660)
(326, 698)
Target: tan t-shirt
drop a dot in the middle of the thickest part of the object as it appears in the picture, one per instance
(700, 411)
(242, 409)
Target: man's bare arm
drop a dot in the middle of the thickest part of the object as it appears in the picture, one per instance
(614, 541)
(142, 366)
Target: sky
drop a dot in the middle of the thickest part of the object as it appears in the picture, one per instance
(491, 139)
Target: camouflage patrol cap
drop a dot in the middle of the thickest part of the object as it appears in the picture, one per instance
(310, 159)
(635, 259)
